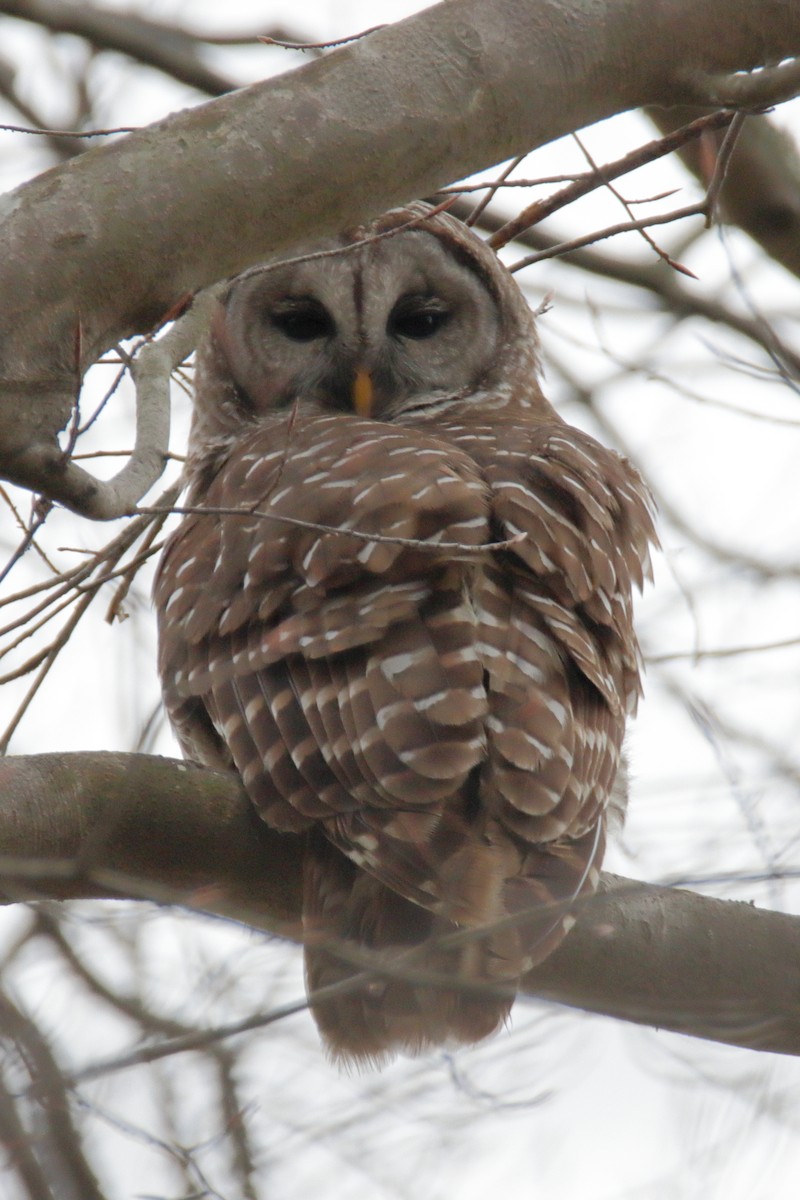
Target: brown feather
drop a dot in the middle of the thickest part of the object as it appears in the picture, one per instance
(441, 719)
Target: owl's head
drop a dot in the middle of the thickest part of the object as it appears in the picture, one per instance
(389, 320)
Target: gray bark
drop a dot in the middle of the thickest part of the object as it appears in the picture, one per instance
(141, 827)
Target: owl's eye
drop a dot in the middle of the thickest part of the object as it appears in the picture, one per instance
(302, 320)
(417, 317)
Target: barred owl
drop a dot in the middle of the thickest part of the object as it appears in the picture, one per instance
(405, 620)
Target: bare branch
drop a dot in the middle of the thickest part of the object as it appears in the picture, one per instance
(761, 190)
(63, 1156)
(770, 85)
(562, 249)
(596, 178)
(143, 827)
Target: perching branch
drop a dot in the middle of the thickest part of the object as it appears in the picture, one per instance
(115, 825)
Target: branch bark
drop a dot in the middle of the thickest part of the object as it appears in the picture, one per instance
(136, 826)
(105, 245)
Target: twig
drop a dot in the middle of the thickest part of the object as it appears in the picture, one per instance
(492, 192)
(591, 180)
(24, 529)
(54, 650)
(589, 239)
(353, 37)
(70, 133)
(651, 242)
(336, 251)
(722, 164)
(43, 509)
(722, 652)
(339, 531)
(460, 189)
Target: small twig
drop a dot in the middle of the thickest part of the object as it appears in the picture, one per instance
(43, 585)
(653, 199)
(172, 456)
(79, 589)
(496, 184)
(279, 34)
(663, 285)
(17, 515)
(678, 214)
(265, 268)
(56, 647)
(39, 519)
(70, 133)
(118, 572)
(652, 243)
(132, 567)
(72, 579)
(29, 628)
(383, 539)
(723, 652)
(722, 164)
(110, 391)
(591, 180)
(353, 37)
(492, 192)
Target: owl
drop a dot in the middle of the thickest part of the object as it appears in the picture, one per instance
(401, 611)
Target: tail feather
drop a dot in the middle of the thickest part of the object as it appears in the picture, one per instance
(401, 979)
(383, 955)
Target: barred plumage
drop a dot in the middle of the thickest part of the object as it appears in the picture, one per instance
(414, 639)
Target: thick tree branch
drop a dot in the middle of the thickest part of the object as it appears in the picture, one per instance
(105, 245)
(105, 825)
(115, 825)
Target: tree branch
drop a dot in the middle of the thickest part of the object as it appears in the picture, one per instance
(105, 245)
(136, 826)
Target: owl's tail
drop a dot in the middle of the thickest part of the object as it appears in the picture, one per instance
(386, 976)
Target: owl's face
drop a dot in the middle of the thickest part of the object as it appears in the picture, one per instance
(381, 330)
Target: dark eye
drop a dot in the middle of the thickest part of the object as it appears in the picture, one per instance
(417, 317)
(302, 320)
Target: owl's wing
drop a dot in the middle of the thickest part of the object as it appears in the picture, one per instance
(557, 643)
(339, 668)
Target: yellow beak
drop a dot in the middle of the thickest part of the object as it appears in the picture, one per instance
(363, 393)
